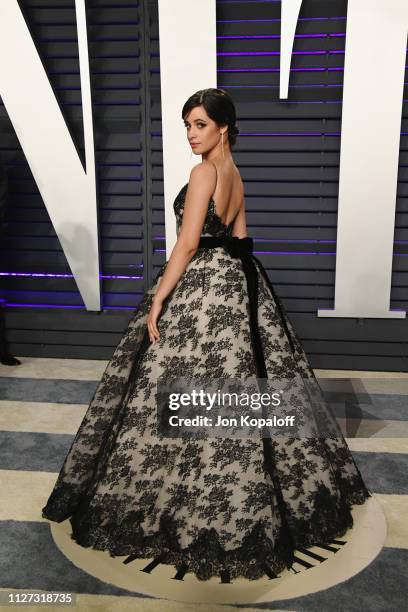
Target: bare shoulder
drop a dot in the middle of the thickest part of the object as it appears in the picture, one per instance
(203, 178)
(205, 170)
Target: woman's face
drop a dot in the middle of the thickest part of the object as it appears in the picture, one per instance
(203, 133)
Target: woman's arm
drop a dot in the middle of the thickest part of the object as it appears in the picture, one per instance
(201, 186)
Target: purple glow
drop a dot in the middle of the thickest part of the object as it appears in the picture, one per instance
(16, 305)
(243, 53)
(279, 252)
(43, 305)
(275, 69)
(288, 240)
(46, 274)
(272, 36)
(36, 274)
(295, 252)
(276, 20)
(290, 134)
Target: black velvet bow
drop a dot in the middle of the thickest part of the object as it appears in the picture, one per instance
(237, 247)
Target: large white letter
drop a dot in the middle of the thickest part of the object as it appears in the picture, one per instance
(69, 193)
(290, 10)
(188, 62)
(373, 86)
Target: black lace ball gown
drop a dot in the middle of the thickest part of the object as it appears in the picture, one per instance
(215, 506)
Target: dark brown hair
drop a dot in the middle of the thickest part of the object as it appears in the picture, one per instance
(218, 105)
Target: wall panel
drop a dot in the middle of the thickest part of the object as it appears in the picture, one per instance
(287, 152)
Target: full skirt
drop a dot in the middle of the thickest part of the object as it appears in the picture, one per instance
(208, 505)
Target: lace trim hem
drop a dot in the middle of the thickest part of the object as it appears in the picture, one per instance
(206, 557)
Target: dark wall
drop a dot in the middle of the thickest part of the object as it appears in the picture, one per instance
(287, 152)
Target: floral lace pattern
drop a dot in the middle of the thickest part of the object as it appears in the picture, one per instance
(210, 505)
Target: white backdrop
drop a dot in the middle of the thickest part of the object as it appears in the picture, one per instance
(69, 193)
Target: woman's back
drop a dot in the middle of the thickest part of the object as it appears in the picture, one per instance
(229, 191)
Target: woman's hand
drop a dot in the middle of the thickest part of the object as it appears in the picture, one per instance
(151, 320)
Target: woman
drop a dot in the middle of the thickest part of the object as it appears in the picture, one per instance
(211, 505)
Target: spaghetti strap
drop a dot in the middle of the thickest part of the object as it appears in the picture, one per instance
(216, 183)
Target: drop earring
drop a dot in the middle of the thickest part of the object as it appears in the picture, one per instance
(222, 144)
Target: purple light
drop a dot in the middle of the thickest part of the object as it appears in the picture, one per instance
(243, 53)
(275, 69)
(289, 134)
(272, 36)
(276, 20)
(46, 274)
(299, 252)
(35, 274)
(296, 252)
(43, 305)
(279, 252)
(17, 305)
